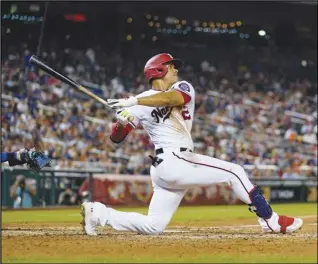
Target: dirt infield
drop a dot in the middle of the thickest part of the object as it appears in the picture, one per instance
(214, 243)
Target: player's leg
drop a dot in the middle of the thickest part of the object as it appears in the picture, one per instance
(186, 169)
(13, 158)
(163, 204)
(192, 169)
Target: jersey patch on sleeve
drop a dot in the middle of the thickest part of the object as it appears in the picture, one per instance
(184, 87)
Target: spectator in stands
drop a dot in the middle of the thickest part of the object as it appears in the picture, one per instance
(136, 161)
(67, 196)
(21, 192)
(249, 105)
(99, 194)
(289, 174)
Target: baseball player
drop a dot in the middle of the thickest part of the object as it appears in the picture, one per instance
(35, 160)
(166, 113)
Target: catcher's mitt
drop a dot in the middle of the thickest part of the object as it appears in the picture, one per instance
(35, 160)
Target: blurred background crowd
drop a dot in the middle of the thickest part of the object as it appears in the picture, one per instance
(256, 95)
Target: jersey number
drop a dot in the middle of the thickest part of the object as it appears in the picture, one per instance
(185, 113)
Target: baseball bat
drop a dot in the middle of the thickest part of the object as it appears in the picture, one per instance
(43, 66)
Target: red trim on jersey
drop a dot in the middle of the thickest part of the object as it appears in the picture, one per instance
(186, 97)
(118, 135)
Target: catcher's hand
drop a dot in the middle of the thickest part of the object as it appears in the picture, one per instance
(35, 160)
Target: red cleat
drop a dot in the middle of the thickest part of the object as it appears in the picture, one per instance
(289, 224)
(280, 224)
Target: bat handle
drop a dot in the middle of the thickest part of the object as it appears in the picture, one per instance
(92, 95)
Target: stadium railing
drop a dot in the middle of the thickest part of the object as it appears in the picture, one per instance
(136, 190)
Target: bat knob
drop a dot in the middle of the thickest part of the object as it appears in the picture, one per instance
(31, 59)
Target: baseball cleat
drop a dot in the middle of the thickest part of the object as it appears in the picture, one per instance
(289, 224)
(88, 223)
(280, 224)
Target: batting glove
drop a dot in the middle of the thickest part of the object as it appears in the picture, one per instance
(124, 117)
(122, 103)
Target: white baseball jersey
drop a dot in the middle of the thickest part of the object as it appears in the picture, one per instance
(168, 127)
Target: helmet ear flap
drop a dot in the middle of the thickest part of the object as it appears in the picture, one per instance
(157, 72)
(162, 70)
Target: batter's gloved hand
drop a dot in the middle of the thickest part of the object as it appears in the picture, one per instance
(124, 117)
(35, 160)
(122, 103)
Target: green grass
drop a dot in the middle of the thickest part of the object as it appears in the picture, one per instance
(183, 214)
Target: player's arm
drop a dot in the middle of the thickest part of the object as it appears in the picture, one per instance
(35, 160)
(180, 94)
(170, 98)
(14, 158)
(119, 132)
(31, 189)
(122, 127)
(14, 188)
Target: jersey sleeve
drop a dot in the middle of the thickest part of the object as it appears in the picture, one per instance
(118, 135)
(185, 88)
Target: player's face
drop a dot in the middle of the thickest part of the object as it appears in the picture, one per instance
(172, 75)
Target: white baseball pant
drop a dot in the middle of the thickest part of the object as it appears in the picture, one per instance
(171, 178)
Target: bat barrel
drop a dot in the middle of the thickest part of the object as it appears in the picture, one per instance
(43, 66)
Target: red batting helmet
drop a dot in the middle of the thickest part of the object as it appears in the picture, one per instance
(155, 68)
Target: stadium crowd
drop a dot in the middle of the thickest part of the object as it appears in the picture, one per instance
(254, 106)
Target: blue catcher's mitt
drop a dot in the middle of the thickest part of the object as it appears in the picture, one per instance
(35, 160)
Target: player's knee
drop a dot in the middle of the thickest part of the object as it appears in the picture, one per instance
(157, 230)
(239, 171)
(156, 227)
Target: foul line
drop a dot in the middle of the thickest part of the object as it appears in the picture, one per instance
(236, 226)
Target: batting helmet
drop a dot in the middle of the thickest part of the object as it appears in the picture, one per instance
(155, 68)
